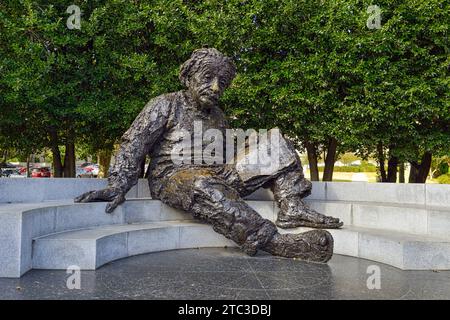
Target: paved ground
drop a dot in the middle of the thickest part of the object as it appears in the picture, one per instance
(228, 274)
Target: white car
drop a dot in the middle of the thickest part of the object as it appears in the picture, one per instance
(92, 169)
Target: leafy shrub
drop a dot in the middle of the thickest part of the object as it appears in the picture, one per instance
(444, 179)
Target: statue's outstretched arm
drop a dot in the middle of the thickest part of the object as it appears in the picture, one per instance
(136, 143)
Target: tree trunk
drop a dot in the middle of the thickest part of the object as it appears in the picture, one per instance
(5, 156)
(57, 161)
(329, 160)
(392, 169)
(312, 160)
(401, 176)
(28, 167)
(425, 167)
(69, 161)
(57, 164)
(381, 162)
(412, 174)
(104, 160)
(419, 172)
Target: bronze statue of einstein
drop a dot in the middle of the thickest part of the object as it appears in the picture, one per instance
(214, 192)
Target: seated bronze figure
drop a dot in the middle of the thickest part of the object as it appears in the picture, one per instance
(213, 193)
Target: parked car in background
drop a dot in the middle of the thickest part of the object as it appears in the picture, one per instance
(6, 172)
(23, 170)
(83, 173)
(12, 173)
(85, 164)
(7, 165)
(92, 169)
(43, 172)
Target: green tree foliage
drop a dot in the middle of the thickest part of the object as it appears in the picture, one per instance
(87, 85)
(319, 73)
(399, 107)
(313, 69)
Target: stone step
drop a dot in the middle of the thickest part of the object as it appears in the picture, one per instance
(404, 218)
(91, 248)
(414, 219)
(407, 218)
(65, 216)
(402, 250)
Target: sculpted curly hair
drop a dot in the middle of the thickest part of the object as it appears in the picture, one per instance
(203, 56)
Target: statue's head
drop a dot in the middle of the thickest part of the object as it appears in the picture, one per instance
(207, 74)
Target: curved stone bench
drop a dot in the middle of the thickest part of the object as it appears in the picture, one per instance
(58, 234)
(91, 248)
(23, 223)
(407, 227)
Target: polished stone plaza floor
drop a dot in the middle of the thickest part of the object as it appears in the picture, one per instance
(218, 273)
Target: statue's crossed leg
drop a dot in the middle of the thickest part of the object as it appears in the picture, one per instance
(286, 180)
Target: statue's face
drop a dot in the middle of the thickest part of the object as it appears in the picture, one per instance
(208, 84)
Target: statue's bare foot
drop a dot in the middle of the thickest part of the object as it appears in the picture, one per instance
(306, 217)
(314, 245)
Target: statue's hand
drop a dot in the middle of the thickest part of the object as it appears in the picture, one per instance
(113, 195)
